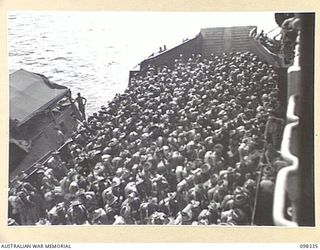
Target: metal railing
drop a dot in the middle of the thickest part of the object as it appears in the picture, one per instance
(287, 187)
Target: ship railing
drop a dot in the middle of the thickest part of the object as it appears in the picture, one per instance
(287, 185)
(286, 192)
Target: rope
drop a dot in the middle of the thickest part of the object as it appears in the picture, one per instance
(272, 30)
(261, 166)
(256, 195)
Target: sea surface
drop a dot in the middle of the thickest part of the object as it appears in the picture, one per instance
(92, 52)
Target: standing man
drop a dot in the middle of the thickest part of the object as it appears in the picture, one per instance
(81, 104)
(273, 130)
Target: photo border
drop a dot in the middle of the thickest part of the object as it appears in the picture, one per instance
(104, 234)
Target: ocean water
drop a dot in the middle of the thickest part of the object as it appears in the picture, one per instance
(92, 52)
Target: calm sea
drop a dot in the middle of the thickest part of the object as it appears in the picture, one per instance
(92, 52)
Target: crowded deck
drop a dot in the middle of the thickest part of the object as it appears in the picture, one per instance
(181, 146)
